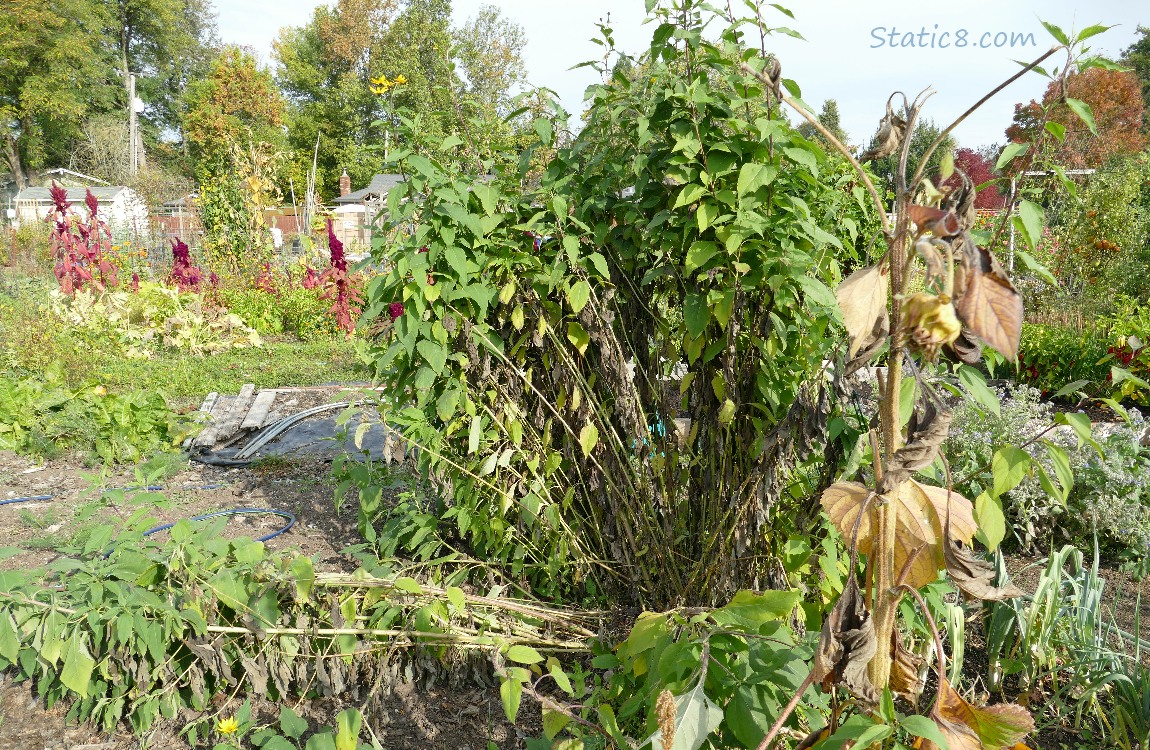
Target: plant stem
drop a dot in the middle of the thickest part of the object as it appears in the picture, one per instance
(786, 712)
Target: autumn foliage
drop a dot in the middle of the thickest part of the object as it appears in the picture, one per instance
(980, 170)
(1115, 98)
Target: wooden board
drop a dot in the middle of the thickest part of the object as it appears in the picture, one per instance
(258, 412)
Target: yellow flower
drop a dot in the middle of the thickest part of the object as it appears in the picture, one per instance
(228, 725)
(381, 81)
(400, 80)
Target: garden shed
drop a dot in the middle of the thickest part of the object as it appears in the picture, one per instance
(124, 209)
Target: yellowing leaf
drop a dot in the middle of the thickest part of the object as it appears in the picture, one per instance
(968, 728)
(862, 298)
(588, 438)
(921, 510)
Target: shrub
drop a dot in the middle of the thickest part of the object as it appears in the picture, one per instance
(541, 342)
(1051, 357)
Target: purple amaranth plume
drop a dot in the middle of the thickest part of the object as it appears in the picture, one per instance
(186, 277)
(91, 202)
(395, 309)
(338, 258)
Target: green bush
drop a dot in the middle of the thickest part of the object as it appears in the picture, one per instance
(542, 341)
(289, 310)
(40, 417)
(1051, 357)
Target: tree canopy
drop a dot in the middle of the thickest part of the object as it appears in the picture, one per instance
(1114, 98)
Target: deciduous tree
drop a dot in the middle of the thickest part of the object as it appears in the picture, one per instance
(1137, 57)
(1115, 99)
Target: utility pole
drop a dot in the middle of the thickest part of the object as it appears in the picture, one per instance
(133, 127)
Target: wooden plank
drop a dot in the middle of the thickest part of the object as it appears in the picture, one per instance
(206, 409)
(219, 408)
(259, 411)
(230, 424)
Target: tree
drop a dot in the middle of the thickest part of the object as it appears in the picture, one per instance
(1114, 98)
(1137, 56)
(238, 104)
(326, 67)
(829, 119)
(234, 126)
(53, 76)
(980, 169)
(489, 49)
(167, 44)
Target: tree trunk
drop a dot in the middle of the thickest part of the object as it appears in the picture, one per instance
(12, 156)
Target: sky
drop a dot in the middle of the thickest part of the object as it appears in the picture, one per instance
(854, 51)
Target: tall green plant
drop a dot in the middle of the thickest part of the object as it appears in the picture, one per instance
(620, 373)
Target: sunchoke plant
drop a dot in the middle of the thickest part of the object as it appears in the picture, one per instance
(935, 290)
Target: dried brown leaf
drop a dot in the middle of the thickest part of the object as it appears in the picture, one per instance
(926, 432)
(990, 306)
(966, 348)
(937, 221)
(975, 576)
(846, 645)
(931, 250)
(968, 728)
(920, 510)
(862, 298)
(904, 671)
(891, 130)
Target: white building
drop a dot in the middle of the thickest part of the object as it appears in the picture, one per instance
(123, 209)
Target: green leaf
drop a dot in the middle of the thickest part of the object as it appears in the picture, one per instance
(554, 722)
(321, 741)
(291, 723)
(1009, 153)
(434, 353)
(578, 295)
(78, 666)
(1082, 109)
(1056, 130)
(303, 576)
(921, 726)
(348, 724)
(524, 654)
(751, 609)
(1029, 261)
(407, 585)
(1079, 422)
(754, 176)
(695, 313)
(561, 678)
(9, 638)
(991, 520)
(457, 598)
(976, 386)
(1090, 31)
(1008, 467)
(545, 130)
(690, 194)
(475, 436)
(578, 337)
(696, 717)
(1069, 388)
(1031, 215)
(588, 438)
(1056, 32)
(511, 690)
(699, 253)
(706, 214)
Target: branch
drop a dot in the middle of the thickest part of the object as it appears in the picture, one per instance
(979, 103)
(838, 145)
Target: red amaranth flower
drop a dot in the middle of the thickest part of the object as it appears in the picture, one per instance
(338, 259)
(59, 197)
(186, 277)
(395, 309)
(91, 202)
(310, 278)
(135, 287)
